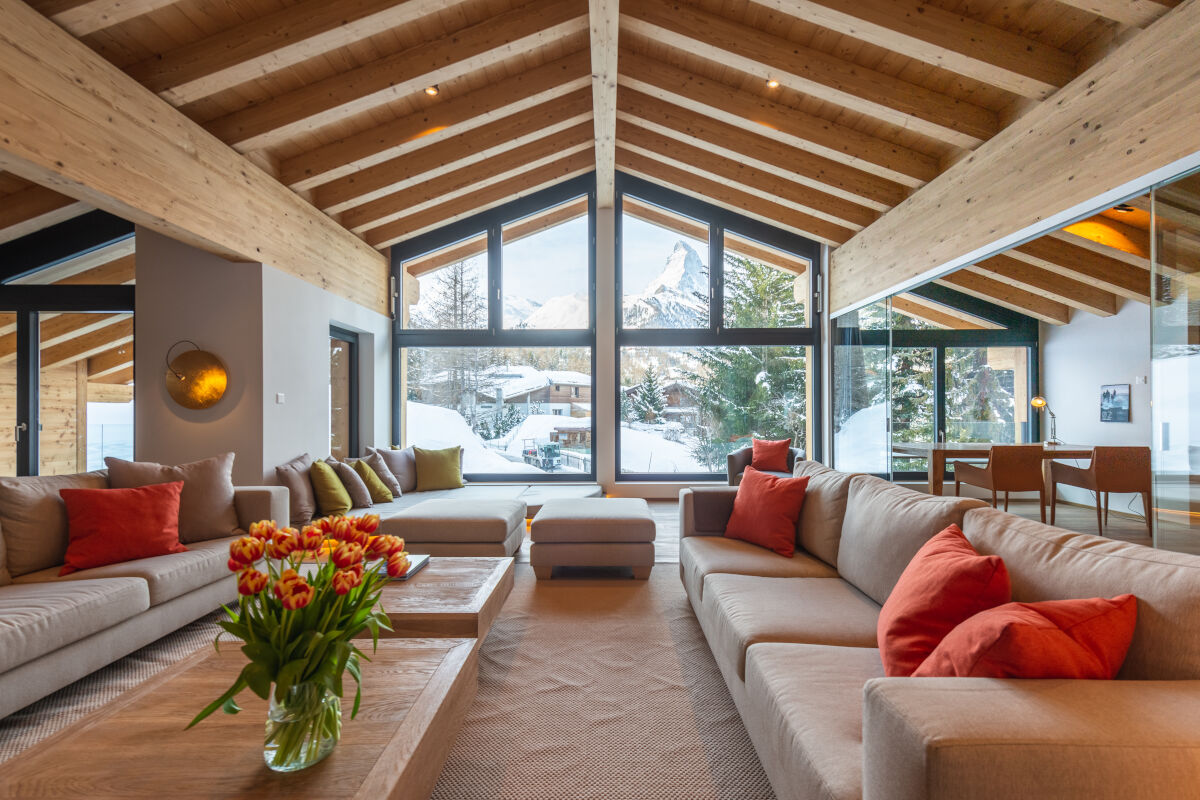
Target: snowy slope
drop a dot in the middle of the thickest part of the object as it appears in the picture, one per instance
(518, 309)
(670, 301)
(569, 311)
(434, 428)
(861, 444)
(648, 451)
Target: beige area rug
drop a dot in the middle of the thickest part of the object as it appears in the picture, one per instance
(604, 689)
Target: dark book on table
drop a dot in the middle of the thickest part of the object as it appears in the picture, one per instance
(415, 564)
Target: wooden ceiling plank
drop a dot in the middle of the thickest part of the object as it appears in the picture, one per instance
(781, 123)
(450, 185)
(964, 320)
(110, 361)
(504, 98)
(843, 215)
(604, 25)
(114, 380)
(1010, 297)
(88, 345)
(72, 121)
(1076, 294)
(932, 35)
(818, 74)
(308, 108)
(469, 147)
(1064, 258)
(487, 197)
(720, 194)
(906, 305)
(119, 271)
(58, 329)
(83, 17)
(1129, 116)
(33, 208)
(1138, 13)
(270, 43)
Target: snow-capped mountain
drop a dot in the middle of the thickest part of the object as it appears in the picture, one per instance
(567, 311)
(670, 300)
(518, 309)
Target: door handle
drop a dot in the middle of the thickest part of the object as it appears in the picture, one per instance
(17, 431)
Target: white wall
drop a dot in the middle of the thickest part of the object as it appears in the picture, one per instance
(1076, 360)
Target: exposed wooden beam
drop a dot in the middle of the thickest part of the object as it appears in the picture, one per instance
(81, 17)
(469, 147)
(844, 216)
(71, 120)
(776, 121)
(1108, 273)
(456, 183)
(750, 147)
(119, 271)
(813, 72)
(270, 43)
(1076, 294)
(117, 379)
(487, 197)
(110, 393)
(1019, 300)
(89, 344)
(719, 193)
(452, 116)
(475, 48)
(58, 328)
(1139, 13)
(932, 35)
(939, 314)
(33, 208)
(110, 361)
(1126, 121)
(605, 24)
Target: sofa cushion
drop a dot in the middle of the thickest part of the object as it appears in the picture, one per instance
(438, 469)
(1048, 563)
(380, 493)
(206, 509)
(5, 577)
(39, 618)
(108, 526)
(885, 526)
(166, 577)
(403, 465)
(33, 518)
(805, 714)
(740, 610)
(332, 497)
(766, 511)
(457, 521)
(820, 527)
(705, 555)
(770, 455)
(302, 500)
(595, 519)
(376, 462)
(356, 487)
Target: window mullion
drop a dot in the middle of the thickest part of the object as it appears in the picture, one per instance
(495, 246)
(716, 276)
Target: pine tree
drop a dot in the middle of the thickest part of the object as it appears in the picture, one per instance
(651, 399)
(628, 412)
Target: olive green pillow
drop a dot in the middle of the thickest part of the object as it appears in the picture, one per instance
(375, 485)
(438, 469)
(332, 497)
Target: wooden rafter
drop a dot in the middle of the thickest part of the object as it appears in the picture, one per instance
(105, 364)
(781, 123)
(58, 329)
(121, 270)
(1069, 291)
(472, 49)
(33, 208)
(447, 118)
(1002, 294)
(813, 72)
(605, 20)
(943, 316)
(1070, 260)
(1139, 13)
(81, 17)
(89, 344)
(118, 380)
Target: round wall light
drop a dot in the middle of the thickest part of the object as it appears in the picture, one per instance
(196, 378)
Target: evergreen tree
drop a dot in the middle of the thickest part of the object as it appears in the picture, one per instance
(651, 399)
(628, 412)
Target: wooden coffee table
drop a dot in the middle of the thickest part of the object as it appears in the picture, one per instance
(452, 597)
(415, 694)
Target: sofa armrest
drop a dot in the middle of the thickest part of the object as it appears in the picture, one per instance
(980, 738)
(256, 503)
(736, 463)
(704, 511)
(795, 454)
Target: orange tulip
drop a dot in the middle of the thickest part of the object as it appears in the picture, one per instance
(282, 544)
(300, 595)
(263, 529)
(348, 554)
(397, 545)
(342, 527)
(325, 524)
(311, 537)
(251, 581)
(346, 579)
(397, 564)
(368, 523)
(246, 550)
(378, 547)
(286, 581)
(235, 565)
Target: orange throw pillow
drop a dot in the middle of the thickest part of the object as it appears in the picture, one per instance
(945, 583)
(765, 511)
(108, 526)
(1085, 639)
(770, 456)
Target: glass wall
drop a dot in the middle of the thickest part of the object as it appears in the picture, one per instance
(343, 393)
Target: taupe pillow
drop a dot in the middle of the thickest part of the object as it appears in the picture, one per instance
(302, 501)
(403, 465)
(33, 519)
(376, 462)
(360, 495)
(206, 509)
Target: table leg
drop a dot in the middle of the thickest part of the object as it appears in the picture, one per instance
(937, 471)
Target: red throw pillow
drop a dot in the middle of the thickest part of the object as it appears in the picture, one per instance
(945, 583)
(770, 456)
(108, 526)
(765, 511)
(1053, 639)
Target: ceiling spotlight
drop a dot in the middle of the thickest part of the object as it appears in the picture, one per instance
(1123, 208)
(772, 83)
(432, 91)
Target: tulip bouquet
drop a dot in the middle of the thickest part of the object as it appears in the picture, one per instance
(298, 619)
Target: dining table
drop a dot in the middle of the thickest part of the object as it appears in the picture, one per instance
(938, 452)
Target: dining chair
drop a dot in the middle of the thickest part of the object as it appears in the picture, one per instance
(1112, 469)
(1010, 468)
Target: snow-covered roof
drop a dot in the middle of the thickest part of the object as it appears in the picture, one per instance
(568, 377)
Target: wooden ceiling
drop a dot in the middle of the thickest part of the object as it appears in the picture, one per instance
(817, 116)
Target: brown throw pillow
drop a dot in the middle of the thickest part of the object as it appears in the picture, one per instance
(33, 519)
(403, 465)
(302, 499)
(376, 462)
(206, 509)
(360, 495)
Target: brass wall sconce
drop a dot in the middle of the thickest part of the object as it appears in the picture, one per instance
(196, 378)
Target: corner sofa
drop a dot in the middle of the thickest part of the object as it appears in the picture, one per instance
(795, 640)
(55, 630)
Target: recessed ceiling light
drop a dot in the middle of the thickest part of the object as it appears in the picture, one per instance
(772, 83)
(432, 91)
(1123, 208)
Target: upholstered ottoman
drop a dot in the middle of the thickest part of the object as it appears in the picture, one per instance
(460, 527)
(593, 532)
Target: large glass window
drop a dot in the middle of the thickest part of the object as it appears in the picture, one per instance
(987, 394)
(664, 268)
(546, 274)
(451, 288)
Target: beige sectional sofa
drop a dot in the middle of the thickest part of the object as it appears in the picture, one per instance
(55, 630)
(795, 641)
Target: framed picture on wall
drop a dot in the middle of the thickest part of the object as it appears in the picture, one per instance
(1114, 402)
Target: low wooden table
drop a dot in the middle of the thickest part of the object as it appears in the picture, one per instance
(453, 597)
(415, 695)
(938, 452)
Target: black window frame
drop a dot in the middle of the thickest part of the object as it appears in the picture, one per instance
(352, 338)
(715, 335)
(491, 222)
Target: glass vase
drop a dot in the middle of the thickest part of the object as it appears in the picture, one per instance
(303, 728)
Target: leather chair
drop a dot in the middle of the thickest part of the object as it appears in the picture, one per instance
(1010, 468)
(738, 460)
(1113, 469)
